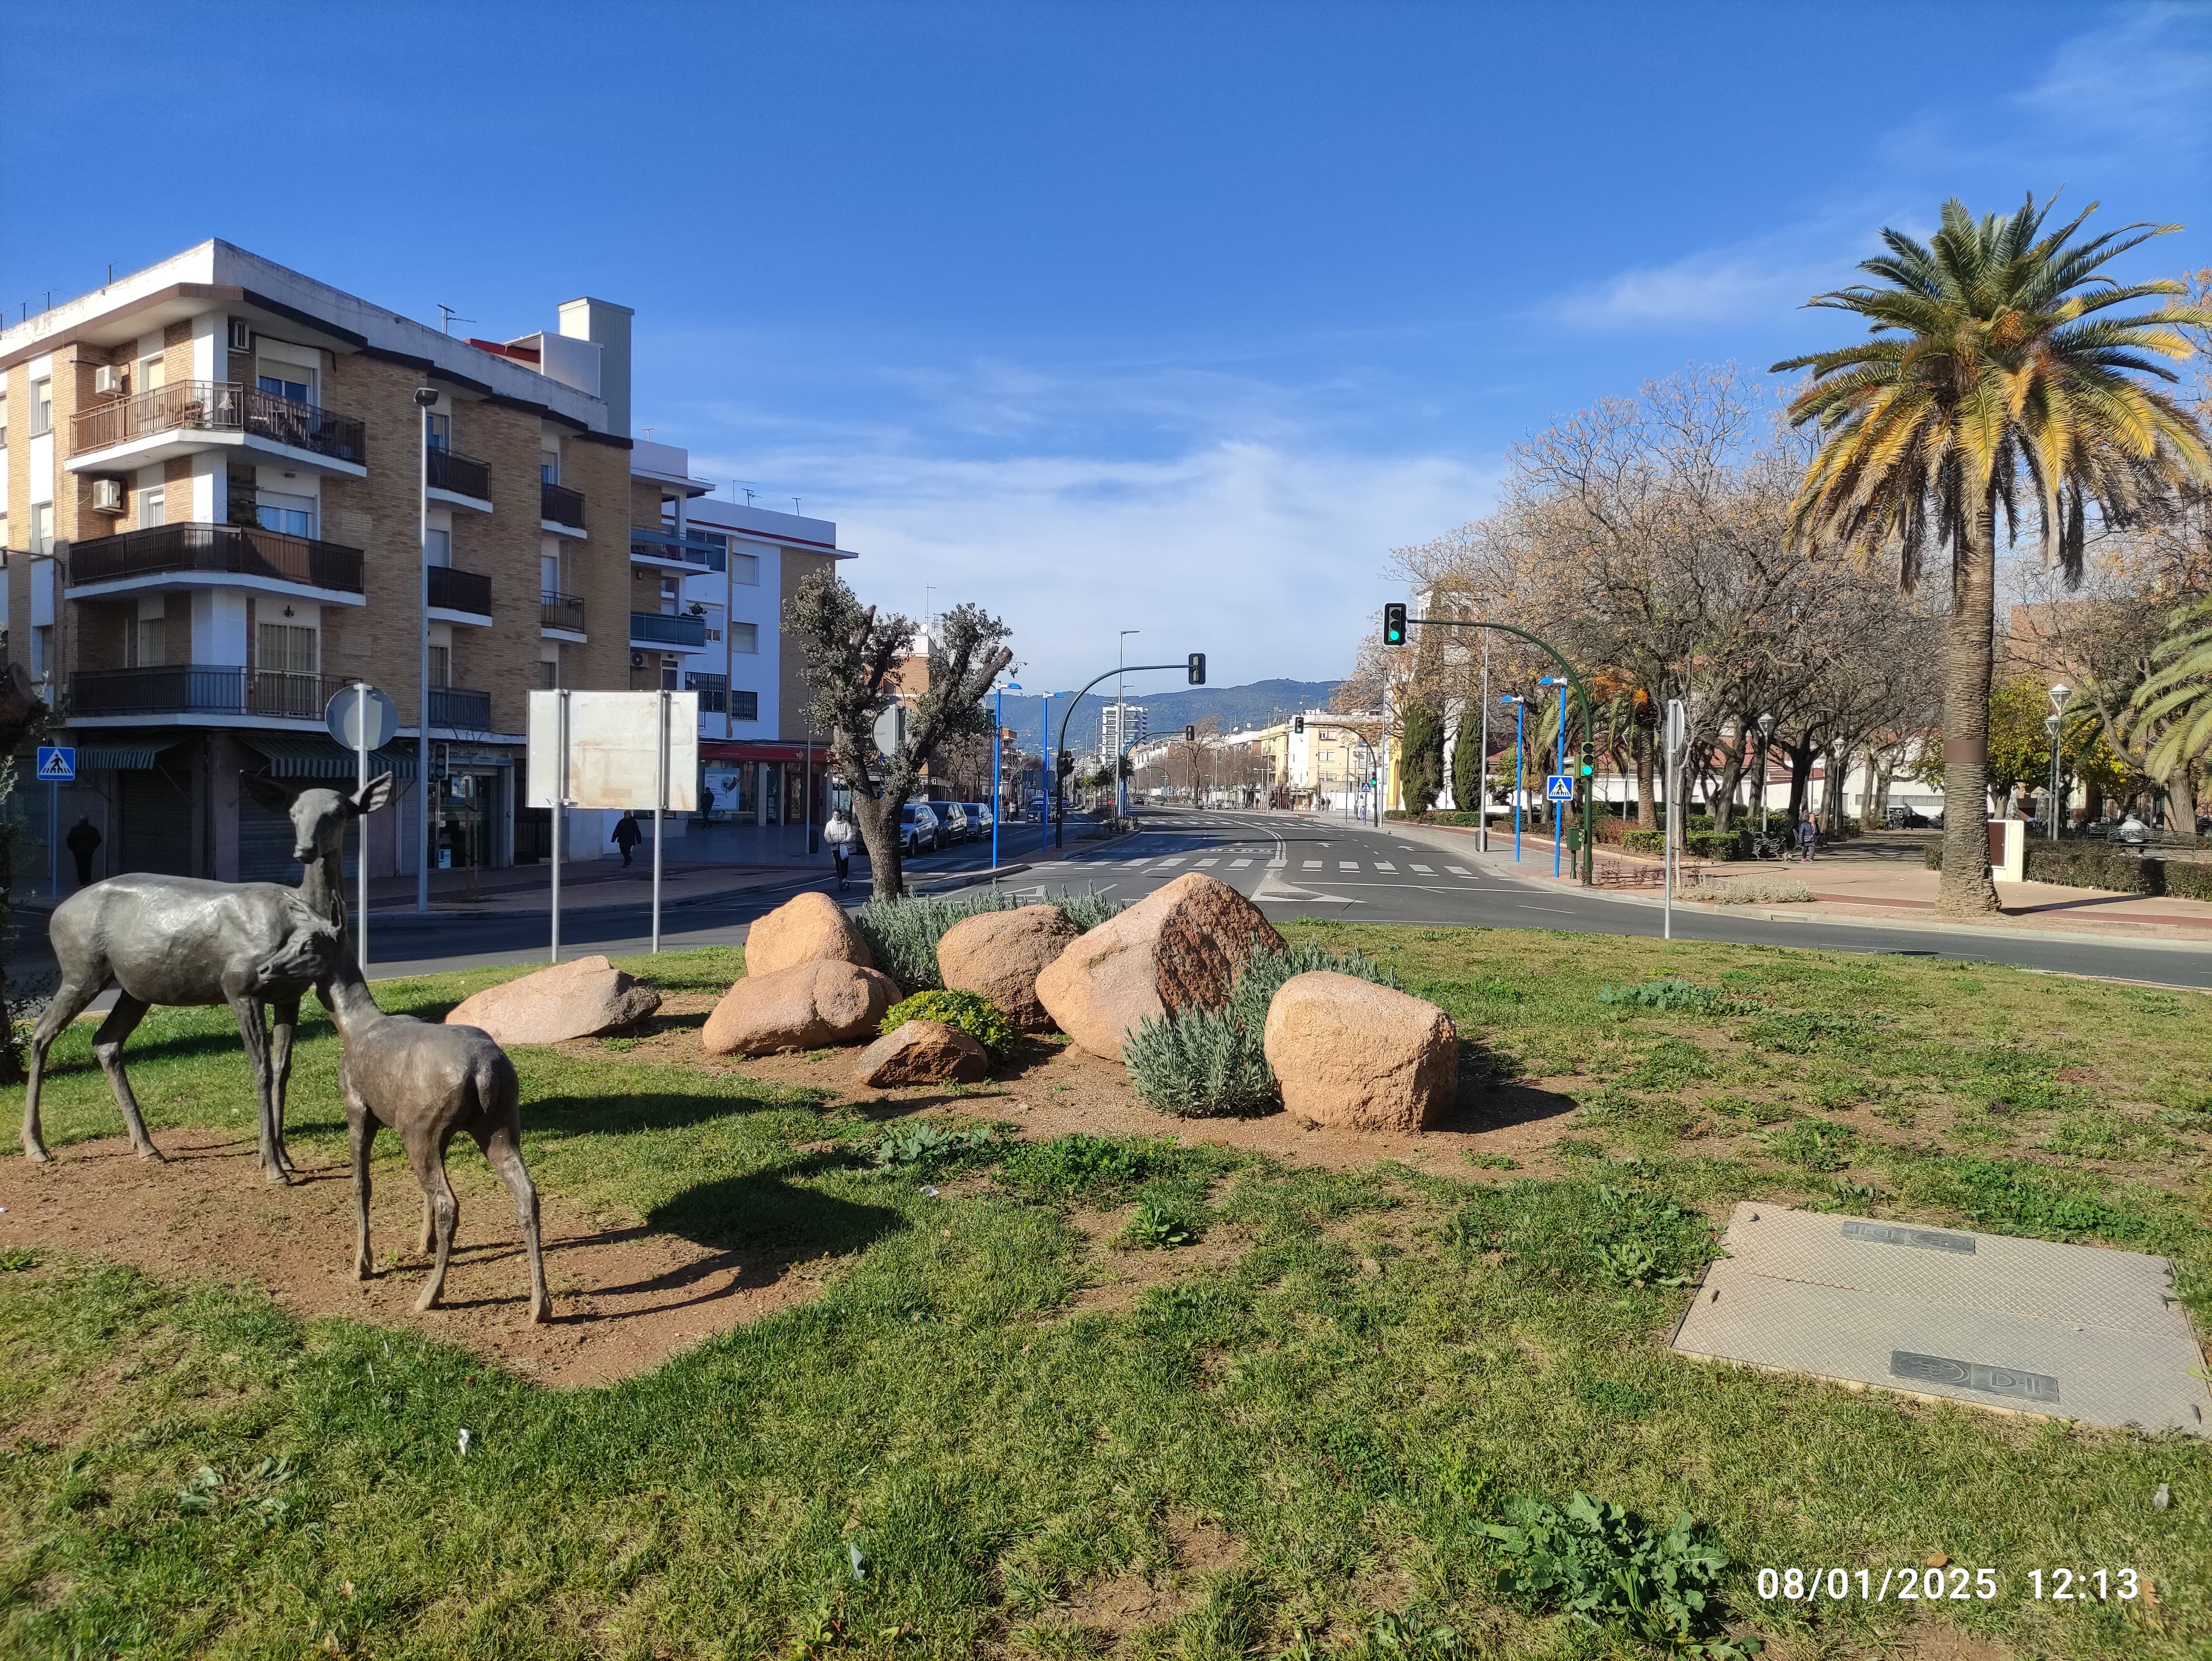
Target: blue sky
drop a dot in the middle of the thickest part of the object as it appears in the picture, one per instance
(1178, 317)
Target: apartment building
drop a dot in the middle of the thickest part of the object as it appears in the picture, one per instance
(221, 482)
(1119, 725)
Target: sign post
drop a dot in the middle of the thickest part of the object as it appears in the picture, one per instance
(659, 802)
(1678, 746)
(57, 767)
(361, 718)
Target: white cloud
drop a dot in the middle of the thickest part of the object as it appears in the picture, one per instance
(1724, 286)
(2147, 77)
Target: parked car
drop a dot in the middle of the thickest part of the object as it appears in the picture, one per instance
(918, 827)
(979, 819)
(952, 822)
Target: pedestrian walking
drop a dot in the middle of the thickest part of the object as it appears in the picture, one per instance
(840, 833)
(627, 836)
(83, 843)
(1808, 838)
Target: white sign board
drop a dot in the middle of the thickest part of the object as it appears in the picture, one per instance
(613, 744)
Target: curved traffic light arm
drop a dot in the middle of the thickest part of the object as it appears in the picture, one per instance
(1581, 697)
(1058, 783)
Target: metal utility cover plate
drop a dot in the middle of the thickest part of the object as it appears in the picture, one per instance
(2077, 1332)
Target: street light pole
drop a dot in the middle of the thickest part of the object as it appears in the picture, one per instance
(998, 758)
(2059, 694)
(1558, 809)
(1514, 698)
(1121, 720)
(1482, 795)
(425, 398)
(1766, 738)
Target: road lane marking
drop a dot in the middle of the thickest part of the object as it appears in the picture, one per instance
(1313, 865)
(1459, 871)
(1205, 862)
(1424, 870)
(1385, 865)
(1238, 865)
(1163, 864)
(1348, 865)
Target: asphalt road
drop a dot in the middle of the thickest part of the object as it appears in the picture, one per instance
(1291, 866)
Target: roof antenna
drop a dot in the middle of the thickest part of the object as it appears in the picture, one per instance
(794, 507)
(447, 317)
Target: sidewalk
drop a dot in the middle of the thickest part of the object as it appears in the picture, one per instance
(1877, 878)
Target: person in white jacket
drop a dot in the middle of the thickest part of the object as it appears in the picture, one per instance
(840, 833)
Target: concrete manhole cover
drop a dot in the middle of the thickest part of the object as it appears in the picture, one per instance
(2073, 1332)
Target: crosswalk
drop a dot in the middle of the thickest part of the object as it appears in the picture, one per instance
(1170, 864)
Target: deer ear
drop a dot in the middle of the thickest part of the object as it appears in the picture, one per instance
(371, 796)
(276, 798)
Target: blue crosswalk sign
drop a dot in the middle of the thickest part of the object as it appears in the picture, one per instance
(1559, 787)
(57, 764)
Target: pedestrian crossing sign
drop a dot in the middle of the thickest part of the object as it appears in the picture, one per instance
(1559, 787)
(57, 764)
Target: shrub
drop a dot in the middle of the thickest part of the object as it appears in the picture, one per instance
(903, 934)
(1088, 910)
(1757, 891)
(1199, 1063)
(1598, 1565)
(1670, 994)
(925, 1149)
(2110, 869)
(1261, 979)
(978, 1017)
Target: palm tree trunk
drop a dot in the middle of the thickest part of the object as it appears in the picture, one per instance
(1968, 661)
(1647, 809)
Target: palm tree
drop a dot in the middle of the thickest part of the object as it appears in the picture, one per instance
(1994, 382)
(2180, 692)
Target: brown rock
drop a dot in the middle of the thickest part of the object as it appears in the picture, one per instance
(801, 1007)
(809, 927)
(1000, 954)
(921, 1052)
(1346, 1052)
(1178, 947)
(568, 1000)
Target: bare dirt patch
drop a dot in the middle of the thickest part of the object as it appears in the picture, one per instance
(624, 1298)
(1118, 1276)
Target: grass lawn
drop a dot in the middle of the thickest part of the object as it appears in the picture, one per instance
(1288, 1443)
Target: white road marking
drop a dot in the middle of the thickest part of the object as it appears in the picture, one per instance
(1348, 865)
(1424, 870)
(1385, 865)
(1459, 871)
(1163, 864)
(1238, 865)
(1205, 862)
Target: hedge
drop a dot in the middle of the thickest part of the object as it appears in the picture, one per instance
(1706, 844)
(2115, 872)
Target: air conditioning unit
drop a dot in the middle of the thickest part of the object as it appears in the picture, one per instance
(637, 660)
(108, 380)
(107, 496)
(241, 335)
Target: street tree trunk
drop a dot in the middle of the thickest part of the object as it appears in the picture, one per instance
(1968, 661)
(1724, 803)
(878, 817)
(1647, 808)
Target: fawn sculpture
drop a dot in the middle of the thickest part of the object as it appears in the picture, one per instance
(429, 1082)
(257, 946)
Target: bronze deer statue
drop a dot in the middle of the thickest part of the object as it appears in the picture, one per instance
(258, 946)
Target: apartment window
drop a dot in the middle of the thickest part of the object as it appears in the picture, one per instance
(284, 649)
(744, 706)
(548, 674)
(671, 596)
(549, 466)
(153, 507)
(441, 666)
(42, 527)
(279, 379)
(438, 546)
(744, 570)
(713, 691)
(4, 420)
(744, 638)
(153, 371)
(549, 575)
(42, 651)
(150, 643)
(42, 407)
(293, 515)
(441, 429)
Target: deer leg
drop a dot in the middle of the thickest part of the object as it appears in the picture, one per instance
(68, 1003)
(284, 1016)
(503, 1147)
(246, 1009)
(430, 1226)
(107, 1046)
(360, 1139)
(429, 1163)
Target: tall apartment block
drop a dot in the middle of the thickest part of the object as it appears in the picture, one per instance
(213, 480)
(1120, 725)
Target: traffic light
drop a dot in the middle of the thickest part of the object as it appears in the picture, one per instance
(1066, 762)
(1394, 625)
(1190, 735)
(1298, 723)
(1198, 668)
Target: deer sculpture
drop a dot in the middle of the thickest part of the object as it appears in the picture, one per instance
(258, 946)
(430, 1083)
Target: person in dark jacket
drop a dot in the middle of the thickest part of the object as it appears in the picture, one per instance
(627, 836)
(1808, 838)
(83, 843)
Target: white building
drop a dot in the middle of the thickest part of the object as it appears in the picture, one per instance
(1120, 725)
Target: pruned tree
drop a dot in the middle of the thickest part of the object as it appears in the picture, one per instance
(853, 662)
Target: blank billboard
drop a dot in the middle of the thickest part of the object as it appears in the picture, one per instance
(612, 740)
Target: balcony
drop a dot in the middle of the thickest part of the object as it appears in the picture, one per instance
(459, 710)
(563, 612)
(454, 590)
(657, 628)
(231, 550)
(226, 408)
(666, 548)
(194, 688)
(559, 505)
(460, 475)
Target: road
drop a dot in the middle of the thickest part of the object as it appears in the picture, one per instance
(1290, 865)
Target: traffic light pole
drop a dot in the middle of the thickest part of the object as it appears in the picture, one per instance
(1589, 764)
(1059, 782)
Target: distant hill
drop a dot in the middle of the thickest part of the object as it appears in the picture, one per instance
(1257, 705)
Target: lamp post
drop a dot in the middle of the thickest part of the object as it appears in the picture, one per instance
(1558, 809)
(2059, 694)
(426, 398)
(1514, 698)
(1121, 720)
(998, 756)
(1766, 738)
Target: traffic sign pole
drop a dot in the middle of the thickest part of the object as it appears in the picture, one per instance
(361, 825)
(56, 765)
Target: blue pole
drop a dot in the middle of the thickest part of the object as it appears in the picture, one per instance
(1044, 772)
(1559, 808)
(1518, 771)
(997, 756)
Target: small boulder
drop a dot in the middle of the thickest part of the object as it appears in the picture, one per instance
(567, 1001)
(1348, 1053)
(1179, 947)
(921, 1052)
(998, 955)
(809, 927)
(802, 1008)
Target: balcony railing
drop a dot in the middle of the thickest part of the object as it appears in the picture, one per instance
(460, 710)
(202, 688)
(649, 543)
(218, 406)
(561, 504)
(563, 612)
(231, 549)
(714, 692)
(463, 475)
(657, 628)
(460, 590)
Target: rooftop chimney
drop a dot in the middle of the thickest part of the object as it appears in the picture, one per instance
(607, 323)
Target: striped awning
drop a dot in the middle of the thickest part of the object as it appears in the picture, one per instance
(303, 757)
(115, 757)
